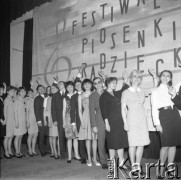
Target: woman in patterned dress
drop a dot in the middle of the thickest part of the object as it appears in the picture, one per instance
(31, 124)
(85, 132)
(53, 131)
(9, 121)
(69, 134)
(20, 121)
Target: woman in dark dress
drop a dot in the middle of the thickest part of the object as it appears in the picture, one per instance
(110, 105)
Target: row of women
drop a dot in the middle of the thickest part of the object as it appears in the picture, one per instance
(87, 114)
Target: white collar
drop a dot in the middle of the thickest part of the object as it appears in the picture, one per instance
(70, 95)
(79, 92)
(42, 95)
(134, 90)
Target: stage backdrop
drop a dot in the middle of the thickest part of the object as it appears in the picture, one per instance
(107, 35)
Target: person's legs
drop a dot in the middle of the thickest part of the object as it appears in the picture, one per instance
(88, 148)
(29, 143)
(111, 153)
(163, 157)
(132, 154)
(101, 144)
(171, 154)
(41, 139)
(19, 144)
(34, 139)
(139, 153)
(120, 156)
(57, 145)
(6, 146)
(69, 147)
(51, 146)
(76, 152)
(16, 144)
(82, 150)
(54, 147)
(94, 150)
(61, 141)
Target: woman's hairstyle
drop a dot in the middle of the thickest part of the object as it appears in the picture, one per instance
(69, 83)
(77, 80)
(97, 78)
(87, 81)
(62, 82)
(109, 80)
(171, 76)
(138, 74)
(21, 88)
(55, 85)
(39, 86)
(30, 90)
(9, 88)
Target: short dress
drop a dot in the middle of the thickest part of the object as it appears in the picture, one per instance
(138, 134)
(9, 115)
(53, 130)
(20, 109)
(86, 133)
(69, 134)
(111, 109)
(31, 116)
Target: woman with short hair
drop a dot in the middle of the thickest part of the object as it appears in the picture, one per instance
(134, 117)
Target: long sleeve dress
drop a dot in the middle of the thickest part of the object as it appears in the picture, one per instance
(21, 117)
(31, 116)
(9, 116)
(111, 109)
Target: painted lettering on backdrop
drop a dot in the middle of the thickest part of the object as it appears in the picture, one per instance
(117, 36)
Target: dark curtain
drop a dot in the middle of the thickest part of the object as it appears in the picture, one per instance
(5, 43)
(27, 53)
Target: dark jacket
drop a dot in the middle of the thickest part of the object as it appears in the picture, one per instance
(74, 112)
(57, 108)
(38, 108)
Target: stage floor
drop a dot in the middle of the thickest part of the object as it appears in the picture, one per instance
(47, 168)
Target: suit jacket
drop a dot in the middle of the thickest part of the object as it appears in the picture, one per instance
(74, 111)
(94, 109)
(57, 108)
(177, 99)
(38, 108)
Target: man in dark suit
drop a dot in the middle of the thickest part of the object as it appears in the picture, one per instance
(57, 117)
(176, 98)
(42, 123)
(75, 121)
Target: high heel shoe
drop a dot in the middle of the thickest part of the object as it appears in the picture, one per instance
(7, 157)
(52, 155)
(30, 155)
(11, 155)
(18, 156)
(68, 161)
(22, 155)
(89, 164)
(35, 154)
(96, 163)
(77, 159)
(123, 166)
